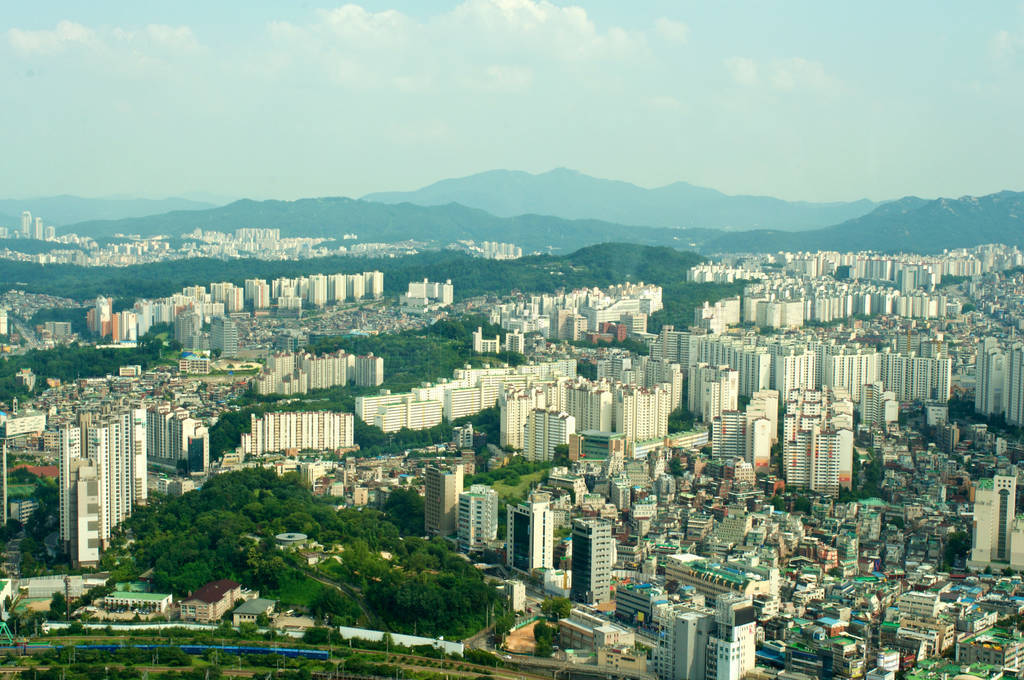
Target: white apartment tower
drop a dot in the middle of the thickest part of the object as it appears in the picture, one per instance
(992, 384)
(546, 429)
(477, 517)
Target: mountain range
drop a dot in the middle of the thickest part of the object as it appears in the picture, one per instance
(573, 195)
(380, 222)
(908, 224)
(63, 210)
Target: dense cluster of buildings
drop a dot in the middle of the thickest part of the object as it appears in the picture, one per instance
(299, 373)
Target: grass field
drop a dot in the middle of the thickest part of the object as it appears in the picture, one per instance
(301, 591)
(506, 491)
(20, 490)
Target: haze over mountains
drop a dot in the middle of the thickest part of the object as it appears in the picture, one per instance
(64, 210)
(907, 224)
(573, 195)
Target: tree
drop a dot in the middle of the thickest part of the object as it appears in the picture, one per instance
(556, 608)
(405, 508)
(58, 606)
(957, 546)
(544, 636)
(503, 624)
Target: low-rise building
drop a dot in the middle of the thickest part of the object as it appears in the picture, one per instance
(211, 602)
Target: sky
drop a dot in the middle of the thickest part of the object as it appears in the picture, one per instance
(804, 100)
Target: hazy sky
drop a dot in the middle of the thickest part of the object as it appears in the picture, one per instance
(803, 100)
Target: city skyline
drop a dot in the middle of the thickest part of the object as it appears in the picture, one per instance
(285, 103)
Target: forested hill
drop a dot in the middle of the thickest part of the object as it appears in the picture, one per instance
(227, 528)
(379, 222)
(597, 265)
(910, 224)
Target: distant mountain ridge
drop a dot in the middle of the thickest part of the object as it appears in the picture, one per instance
(381, 222)
(573, 195)
(909, 224)
(63, 210)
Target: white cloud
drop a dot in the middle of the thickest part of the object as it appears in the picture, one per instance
(1003, 46)
(742, 70)
(783, 75)
(48, 42)
(177, 38)
(796, 73)
(669, 29)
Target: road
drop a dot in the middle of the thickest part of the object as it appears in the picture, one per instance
(356, 596)
(31, 341)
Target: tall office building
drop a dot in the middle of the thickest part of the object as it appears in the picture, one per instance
(529, 534)
(592, 559)
(682, 649)
(441, 502)
(224, 336)
(478, 517)
(992, 379)
(26, 224)
(731, 647)
(995, 539)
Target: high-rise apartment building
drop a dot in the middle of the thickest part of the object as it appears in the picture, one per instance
(545, 430)
(1015, 386)
(102, 478)
(641, 413)
(590, 404)
(712, 389)
(299, 430)
(746, 435)
(441, 502)
(917, 378)
(817, 445)
(992, 379)
(878, 406)
(477, 517)
(529, 534)
(593, 555)
(369, 370)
